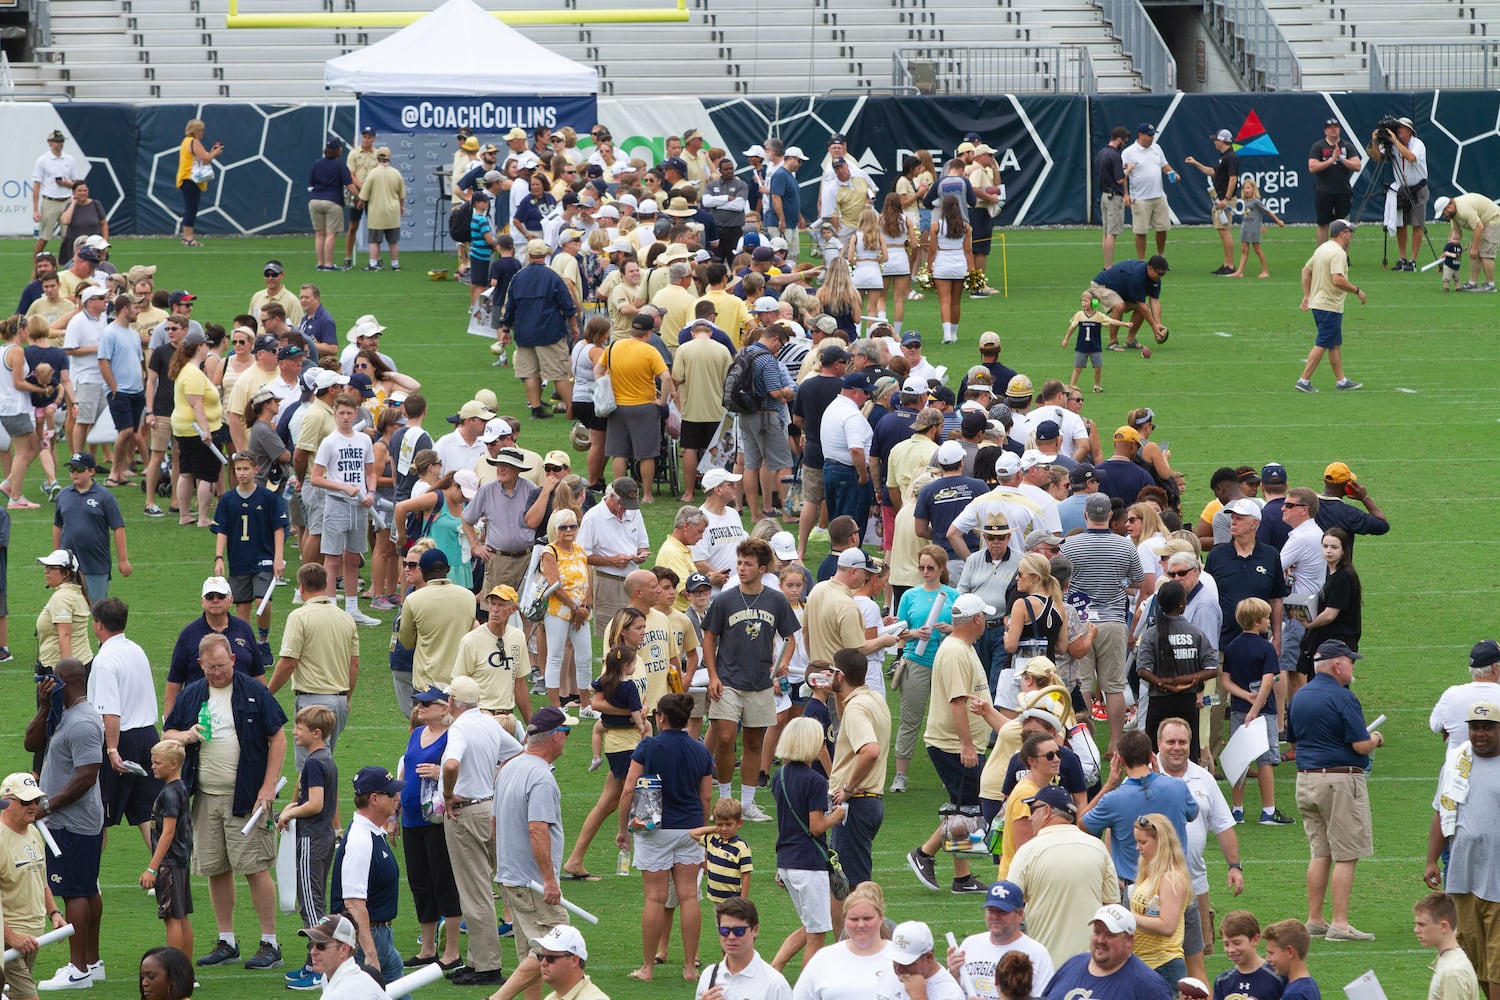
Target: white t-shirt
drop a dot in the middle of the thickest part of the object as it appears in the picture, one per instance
(843, 429)
(1070, 425)
(982, 958)
(875, 673)
(721, 538)
(1146, 180)
(344, 459)
(1046, 501)
(480, 746)
(835, 973)
(84, 331)
(1213, 817)
(1452, 709)
(940, 986)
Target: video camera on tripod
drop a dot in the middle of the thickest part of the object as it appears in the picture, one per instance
(1385, 133)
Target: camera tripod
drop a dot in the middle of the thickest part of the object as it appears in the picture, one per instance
(1390, 158)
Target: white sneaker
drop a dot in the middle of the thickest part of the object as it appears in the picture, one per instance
(68, 978)
(97, 969)
(363, 620)
(753, 814)
(587, 713)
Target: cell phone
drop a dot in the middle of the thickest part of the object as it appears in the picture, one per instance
(952, 941)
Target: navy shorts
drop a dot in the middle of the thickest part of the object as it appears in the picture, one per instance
(619, 763)
(174, 893)
(126, 409)
(1330, 328)
(75, 874)
(961, 782)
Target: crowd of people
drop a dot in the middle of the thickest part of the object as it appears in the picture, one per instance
(1009, 582)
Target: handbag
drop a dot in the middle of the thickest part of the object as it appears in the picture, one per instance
(838, 882)
(201, 173)
(604, 390)
(431, 797)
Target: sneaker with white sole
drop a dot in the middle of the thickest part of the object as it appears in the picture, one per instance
(923, 867)
(754, 814)
(307, 983)
(1348, 384)
(587, 713)
(97, 971)
(1335, 933)
(267, 956)
(1275, 817)
(898, 783)
(1303, 385)
(363, 620)
(223, 952)
(68, 978)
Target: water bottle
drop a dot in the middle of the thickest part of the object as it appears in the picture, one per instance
(1210, 700)
(36, 231)
(206, 723)
(622, 863)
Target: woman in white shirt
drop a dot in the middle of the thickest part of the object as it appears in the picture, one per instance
(859, 966)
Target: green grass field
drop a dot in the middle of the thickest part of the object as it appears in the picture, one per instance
(1222, 392)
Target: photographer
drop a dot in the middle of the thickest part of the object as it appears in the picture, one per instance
(1332, 161)
(1395, 139)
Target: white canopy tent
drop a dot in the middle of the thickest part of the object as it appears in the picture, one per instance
(460, 49)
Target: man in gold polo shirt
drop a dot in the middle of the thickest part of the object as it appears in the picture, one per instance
(25, 895)
(833, 619)
(434, 621)
(360, 162)
(319, 653)
(859, 756)
(495, 655)
(676, 553)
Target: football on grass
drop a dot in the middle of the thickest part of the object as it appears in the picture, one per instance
(1161, 337)
(1145, 351)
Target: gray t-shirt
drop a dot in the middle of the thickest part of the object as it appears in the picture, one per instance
(319, 771)
(77, 743)
(525, 793)
(746, 628)
(1471, 867)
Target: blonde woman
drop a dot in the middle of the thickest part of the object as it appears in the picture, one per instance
(193, 155)
(1034, 626)
(241, 358)
(1161, 892)
(867, 253)
(570, 606)
(856, 967)
(952, 260)
(838, 299)
(1144, 527)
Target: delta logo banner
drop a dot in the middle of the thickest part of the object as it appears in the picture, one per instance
(1253, 140)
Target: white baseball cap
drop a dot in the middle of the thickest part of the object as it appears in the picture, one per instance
(714, 478)
(969, 605)
(795, 151)
(950, 453)
(910, 941)
(563, 937)
(784, 544)
(755, 150)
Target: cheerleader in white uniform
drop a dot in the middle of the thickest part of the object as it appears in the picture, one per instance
(867, 252)
(897, 232)
(952, 261)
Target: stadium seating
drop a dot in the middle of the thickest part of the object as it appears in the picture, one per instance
(134, 50)
(1332, 37)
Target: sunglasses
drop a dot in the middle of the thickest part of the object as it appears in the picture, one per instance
(547, 959)
(554, 468)
(216, 597)
(567, 527)
(240, 342)
(1288, 503)
(322, 945)
(554, 141)
(1143, 823)
(725, 932)
(1132, 519)
(1053, 755)
(1177, 574)
(271, 274)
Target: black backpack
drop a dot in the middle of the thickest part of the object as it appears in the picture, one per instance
(458, 223)
(739, 384)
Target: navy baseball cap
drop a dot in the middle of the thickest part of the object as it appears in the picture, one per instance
(1054, 798)
(1486, 653)
(1335, 648)
(377, 779)
(1273, 474)
(696, 582)
(1005, 896)
(858, 380)
(1146, 128)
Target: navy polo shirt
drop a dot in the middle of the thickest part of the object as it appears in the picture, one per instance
(894, 428)
(798, 791)
(1323, 719)
(327, 180)
(383, 881)
(1273, 531)
(184, 669)
(319, 326)
(1256, 575)
(87, 520)
(1128, 280)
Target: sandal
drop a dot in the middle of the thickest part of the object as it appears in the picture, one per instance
(116, 483)
(583, 876)
(191, 243)
(1114, 347)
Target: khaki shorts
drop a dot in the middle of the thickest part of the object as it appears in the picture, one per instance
(1109, 299)
(751, 709)
(1335, 812)
(327, 216)
(218, 845)
(532, 917)
(550, 361)
(1150, 214)
(161, 434)
(1103, 668)
(700, 702)
(90, 402)
(51, 226)
(1478, 934)
(812, 486)
(1112, 211)
(18, 975)
(1221, 220)
(1489, 242)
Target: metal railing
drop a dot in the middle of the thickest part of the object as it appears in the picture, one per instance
(1140, 40)
(1434, 65)
(1255, 45)
(995, 69)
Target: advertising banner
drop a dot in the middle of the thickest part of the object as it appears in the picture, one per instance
(422, 133)
(28, 125)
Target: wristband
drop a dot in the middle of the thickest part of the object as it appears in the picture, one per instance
(150, 871)
(58, 912)
(1236, 866)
